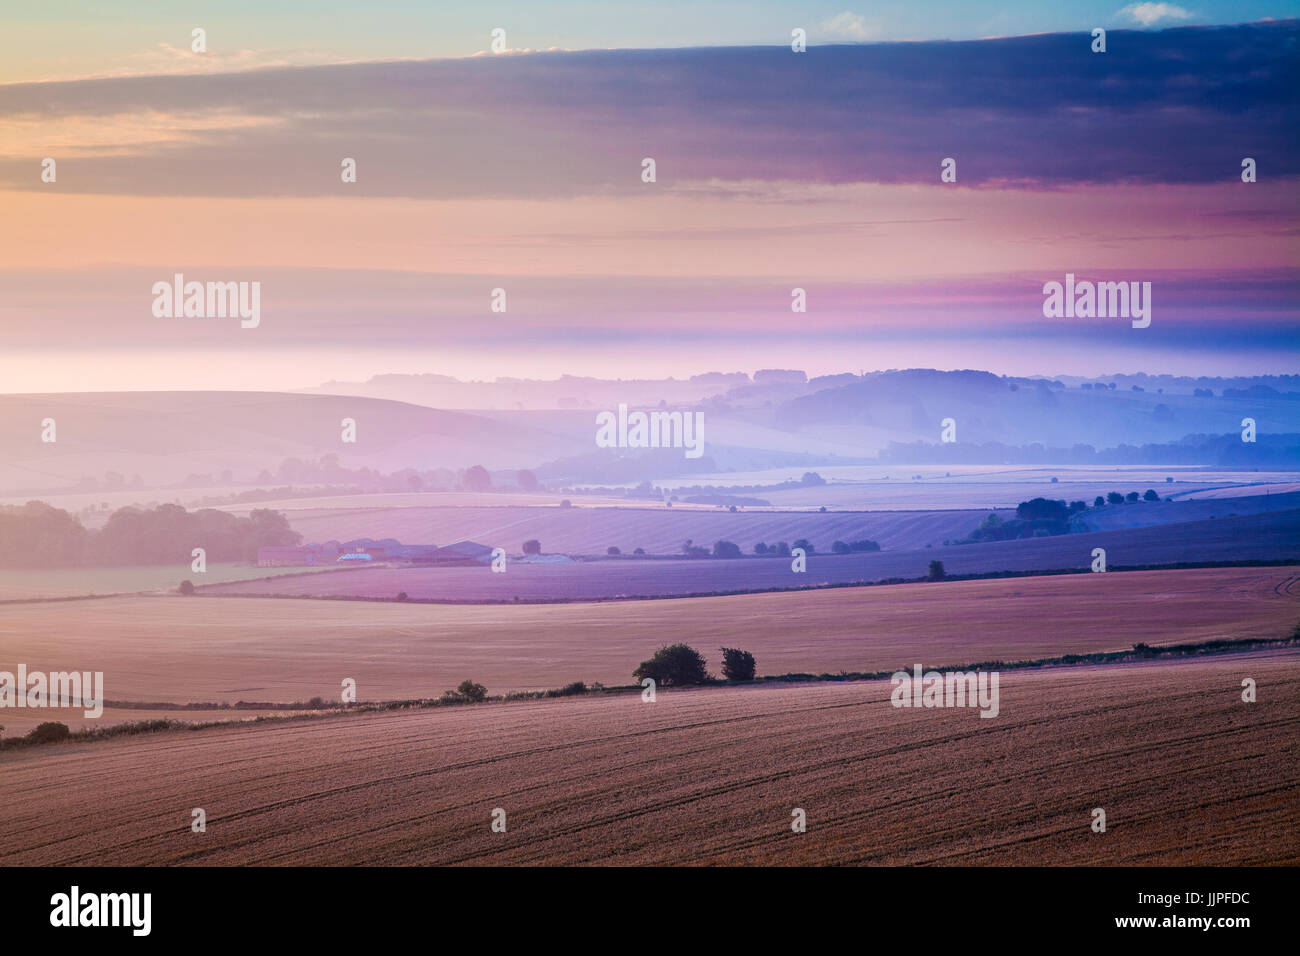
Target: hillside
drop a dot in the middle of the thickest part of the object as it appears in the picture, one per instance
(1186, 773)
(167, 436)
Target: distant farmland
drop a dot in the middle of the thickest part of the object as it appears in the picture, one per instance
(659, 530)
(1186, 772)
(1273, 536)
(173, 649)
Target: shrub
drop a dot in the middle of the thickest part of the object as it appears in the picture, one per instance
(532, 546)
(726, 549)
(401, 595)
(566, 503)
(936, 571)
(48, 732)
(186, 588)
(672, 665)
(466, 692)
(737, 665)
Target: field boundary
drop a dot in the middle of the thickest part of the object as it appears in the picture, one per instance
(825, 586)
(1137, 653)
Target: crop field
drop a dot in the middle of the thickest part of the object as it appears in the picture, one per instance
(1271, 536)
(1186, 772)
(34, 583)
(657, 529)
(179, 650)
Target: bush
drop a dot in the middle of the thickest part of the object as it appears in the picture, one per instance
(566, 503)
(639, 551)
(532, 546)
(805, 544)
(737, 665)
(49, 732)
(1098, 501)
(401, 595)
(936, 571)
(1131, 496)
(466, 692)
(726, 549)
(840, 547)
(186, 588)
(673, 665)
(613, 551)
(782, 549)
(760, 548)
(1150, 495)
(864, 545)
(1114, 498)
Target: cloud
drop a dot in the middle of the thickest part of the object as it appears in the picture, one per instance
(847, 26)
(1148, 14)
(1040, 112)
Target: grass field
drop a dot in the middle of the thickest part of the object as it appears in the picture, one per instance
(181, 650)
(1186, 772)
(30, 583)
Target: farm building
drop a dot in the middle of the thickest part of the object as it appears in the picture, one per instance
(464, 551)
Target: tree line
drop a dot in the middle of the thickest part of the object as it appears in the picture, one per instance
(41, 536)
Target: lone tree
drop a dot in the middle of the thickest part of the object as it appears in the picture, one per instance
(673, 665)
(532, 546)
(466, 691)
(737, 665)
(477, 478)
(936, 571)
(187, 587)
(726, 549)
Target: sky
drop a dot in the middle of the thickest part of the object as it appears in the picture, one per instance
(522, 171)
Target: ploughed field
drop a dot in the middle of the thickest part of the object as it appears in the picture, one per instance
(656, 529)
(183, 650)
(1186, 772)
(1272, 536)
